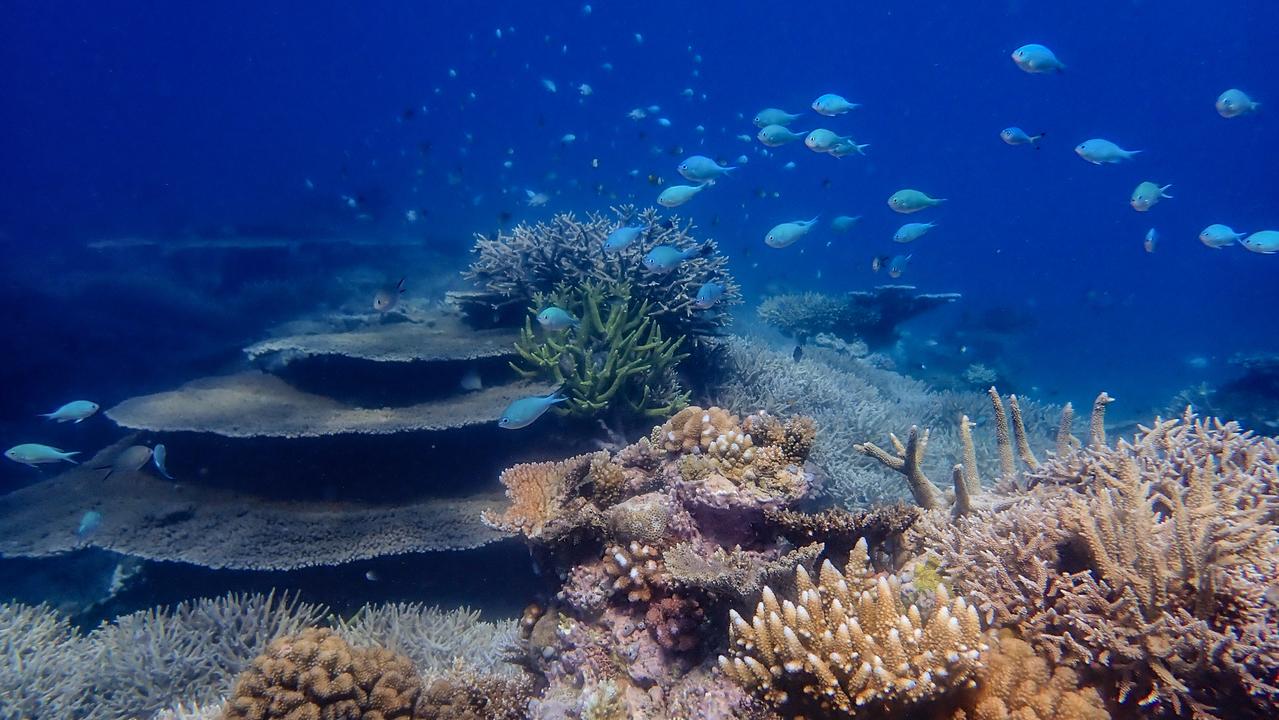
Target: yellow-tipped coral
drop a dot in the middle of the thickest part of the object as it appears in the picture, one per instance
(849, 643)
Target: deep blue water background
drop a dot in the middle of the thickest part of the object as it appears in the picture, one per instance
(164, 119)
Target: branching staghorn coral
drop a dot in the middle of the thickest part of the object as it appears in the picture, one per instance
(1146, 565)
(616, 357)
(848, 644)
(907, 458)
(437, 641)
(513, 267)
(850, 401)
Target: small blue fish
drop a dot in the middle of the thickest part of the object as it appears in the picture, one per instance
(665, 258)
(75, 411)
(709, 294)
(159, 455)
(36, 454)
(897, 265)
(700, 168)
(556, 319)
(1035, 58)
(525, 411)
(621, 238)
(88, 523)
(1017, 136)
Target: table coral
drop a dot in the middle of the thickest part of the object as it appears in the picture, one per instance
(848, 644)
(315, 674)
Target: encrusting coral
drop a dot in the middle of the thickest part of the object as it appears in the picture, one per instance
(316, 674)
(512, 267)
(614, 358)
(848, 644)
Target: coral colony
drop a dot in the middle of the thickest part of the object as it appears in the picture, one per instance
(759, 557)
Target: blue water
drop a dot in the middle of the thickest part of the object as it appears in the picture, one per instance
(162, 119)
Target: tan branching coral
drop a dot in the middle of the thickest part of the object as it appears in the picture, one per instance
(316, 674)
(636, 570)
(1146, 563)
(848, 643)
(1017, 684)
(544, 504)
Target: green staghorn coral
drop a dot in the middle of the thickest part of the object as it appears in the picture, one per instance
(616, 358)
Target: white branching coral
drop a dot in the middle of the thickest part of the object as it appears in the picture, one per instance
(849, 641)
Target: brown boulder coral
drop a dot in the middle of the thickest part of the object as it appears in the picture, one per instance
(316, 674)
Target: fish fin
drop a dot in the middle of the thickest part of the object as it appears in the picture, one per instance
(706, 249)
(861, 149)
(399, 286)
(79, 420)
(728, 168)
(1163, 191)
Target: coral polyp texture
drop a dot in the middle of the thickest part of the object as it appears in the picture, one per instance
(316, 674)
(849, 644)
(511, 268)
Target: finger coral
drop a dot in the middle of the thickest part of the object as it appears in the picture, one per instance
(849, 644)
(316, 674)
(512, 267)
(616, 358)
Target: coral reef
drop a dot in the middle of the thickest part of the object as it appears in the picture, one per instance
(180, 661)
(511, 268)
(148, 517)
(851, 400)
(849, 644)
(1144, 566)
(316, 674)
(615, 358)
(464, 694)
(870, 316)
(681, 537)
